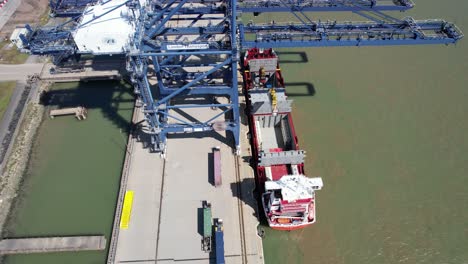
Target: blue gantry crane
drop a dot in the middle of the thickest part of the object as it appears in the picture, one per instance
(68, 8)
(167, 35)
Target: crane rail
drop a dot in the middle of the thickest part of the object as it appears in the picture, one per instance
(240, 212)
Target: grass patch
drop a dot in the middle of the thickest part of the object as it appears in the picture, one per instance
(11, 55)
(6, 90)
(44, 18)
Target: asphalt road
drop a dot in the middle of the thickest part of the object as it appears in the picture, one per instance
(18, 99)
(19, 72)
(11, 119)
(7, 11)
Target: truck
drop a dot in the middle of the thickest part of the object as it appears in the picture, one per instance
(207, 227)
(219, 241)
(217, 166)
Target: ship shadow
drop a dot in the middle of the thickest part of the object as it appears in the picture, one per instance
(261, 218)
(249, 195)
(246, 192)
(243, 114)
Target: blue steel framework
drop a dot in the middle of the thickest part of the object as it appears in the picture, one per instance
(163, 48)
(68, 8)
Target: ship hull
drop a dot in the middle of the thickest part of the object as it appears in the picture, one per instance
(275, 172)
(288, 228)
(283, 227)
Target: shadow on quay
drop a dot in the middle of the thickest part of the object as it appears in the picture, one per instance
(140, 135)
(245, 191)
(206, 134)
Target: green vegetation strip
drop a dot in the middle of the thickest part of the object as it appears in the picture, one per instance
(11, 55)
(6, 90)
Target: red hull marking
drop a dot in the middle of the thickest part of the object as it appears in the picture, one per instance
(289, 228)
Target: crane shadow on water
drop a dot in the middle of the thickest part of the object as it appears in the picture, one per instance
(106, 96)
(294, 57)
(295, 89)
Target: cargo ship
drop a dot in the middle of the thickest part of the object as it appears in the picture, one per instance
(287, 195)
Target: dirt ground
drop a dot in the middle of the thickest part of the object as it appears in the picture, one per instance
(29, 12)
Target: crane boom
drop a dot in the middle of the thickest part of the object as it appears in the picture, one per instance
(407, 32)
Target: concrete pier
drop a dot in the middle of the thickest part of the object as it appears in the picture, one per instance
(51, 244)
(79, 112)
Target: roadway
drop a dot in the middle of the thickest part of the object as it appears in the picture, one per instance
(13, 112)
(19, 72)
(7, 11)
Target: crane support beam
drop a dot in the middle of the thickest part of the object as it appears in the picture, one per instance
(199, 90)
(269, 6)
(255, 6)
(408, 32)
(154, 31)
(193, 30)
(68, 8)
(193, 82)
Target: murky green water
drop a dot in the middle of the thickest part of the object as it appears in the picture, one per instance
(386, 129)
(384, 126)
(72, 182)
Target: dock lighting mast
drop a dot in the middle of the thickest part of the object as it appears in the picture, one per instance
(190, 48)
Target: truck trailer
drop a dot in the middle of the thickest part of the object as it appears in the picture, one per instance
(219, 241)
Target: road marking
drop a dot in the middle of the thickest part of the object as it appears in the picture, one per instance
(126, 210)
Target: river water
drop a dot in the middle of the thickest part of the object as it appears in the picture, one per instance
(74, 173)
(386, 129)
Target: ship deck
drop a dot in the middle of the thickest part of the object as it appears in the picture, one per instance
(270, 132)
(271, 138)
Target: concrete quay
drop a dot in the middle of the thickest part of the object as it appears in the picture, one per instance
(166, 218)
(51, 244)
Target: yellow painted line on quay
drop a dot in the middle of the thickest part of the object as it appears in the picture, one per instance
(126, 210)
